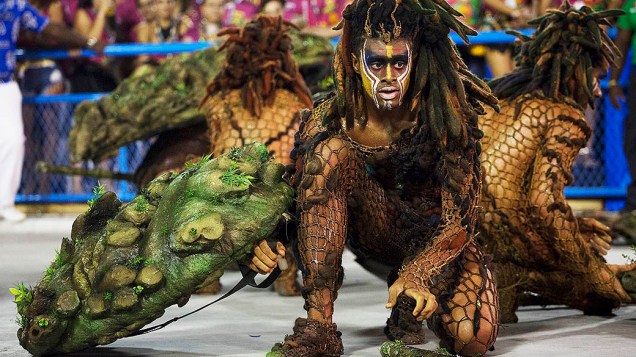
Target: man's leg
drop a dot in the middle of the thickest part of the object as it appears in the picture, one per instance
(467, 319)
(11, 149)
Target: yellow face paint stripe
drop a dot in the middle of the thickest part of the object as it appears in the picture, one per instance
(389, 55)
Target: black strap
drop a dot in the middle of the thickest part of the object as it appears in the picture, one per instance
(248, 279)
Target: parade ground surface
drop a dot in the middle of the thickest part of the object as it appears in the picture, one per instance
(249, 322)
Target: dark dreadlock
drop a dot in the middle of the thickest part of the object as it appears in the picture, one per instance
(258, 62)
(568, 45)
(444, 94)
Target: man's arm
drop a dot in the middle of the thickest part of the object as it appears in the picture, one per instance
(58, 35)
(566, 134)
(54, 34)
(460, 194)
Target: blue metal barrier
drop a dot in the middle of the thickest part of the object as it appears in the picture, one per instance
(65, 98)
(117, 50)
(613, 171)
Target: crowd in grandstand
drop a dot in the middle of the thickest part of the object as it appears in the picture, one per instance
(162, 21)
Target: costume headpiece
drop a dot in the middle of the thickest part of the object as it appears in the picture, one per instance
(568, 45)
(258, 62)
(443, 92)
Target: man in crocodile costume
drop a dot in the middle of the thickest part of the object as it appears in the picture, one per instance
(539, 246)
(390, 166)
(255, 98)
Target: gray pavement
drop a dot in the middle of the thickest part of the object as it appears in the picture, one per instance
(251, 321)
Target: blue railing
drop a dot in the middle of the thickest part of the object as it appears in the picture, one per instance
(615, 180)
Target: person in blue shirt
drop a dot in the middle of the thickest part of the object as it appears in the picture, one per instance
(17, 15)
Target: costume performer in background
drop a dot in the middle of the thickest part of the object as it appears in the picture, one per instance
(539, 246)
(390, 165)
(256, 98)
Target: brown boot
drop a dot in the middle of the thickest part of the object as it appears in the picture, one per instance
(311, 338)
(402, 325)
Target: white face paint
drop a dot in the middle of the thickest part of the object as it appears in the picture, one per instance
(385, 70)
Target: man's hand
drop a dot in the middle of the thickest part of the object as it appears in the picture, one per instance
(611, 274)
(616, 96)
(98, 47)
(596, 233)
(264, 260)
(425, 302)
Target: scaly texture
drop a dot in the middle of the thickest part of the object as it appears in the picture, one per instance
(258, 93)
(232, 125)
(126, 263)
(538, 244)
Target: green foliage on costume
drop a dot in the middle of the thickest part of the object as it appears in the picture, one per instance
(138, 258)
(399, 349)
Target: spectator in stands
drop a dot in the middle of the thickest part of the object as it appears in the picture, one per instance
(272, 7)
(42, 121)
(316, 17)
(626, 224)
(502, 15)
(127, 16)
(169, 25)
(94, 19)
(211, 19)
(21, 15)
(148, 11)
(239, 12)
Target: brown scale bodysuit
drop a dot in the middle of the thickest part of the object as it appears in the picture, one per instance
(411, 205)
(256, 98)
(257, 95)
(539, 246)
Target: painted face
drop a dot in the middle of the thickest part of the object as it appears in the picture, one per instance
(386, 70)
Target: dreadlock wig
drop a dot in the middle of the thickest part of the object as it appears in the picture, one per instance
(443, 94)
(258, 62)
(567, 46)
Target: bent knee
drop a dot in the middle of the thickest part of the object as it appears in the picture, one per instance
(474, 346)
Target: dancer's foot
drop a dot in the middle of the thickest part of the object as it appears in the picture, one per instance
(311, 338)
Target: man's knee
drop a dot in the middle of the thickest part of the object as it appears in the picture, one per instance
(475, 345)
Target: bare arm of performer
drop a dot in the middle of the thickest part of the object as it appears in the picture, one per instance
(551, 173)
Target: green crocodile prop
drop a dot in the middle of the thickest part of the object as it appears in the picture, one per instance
(125, 263)
(157, 99)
